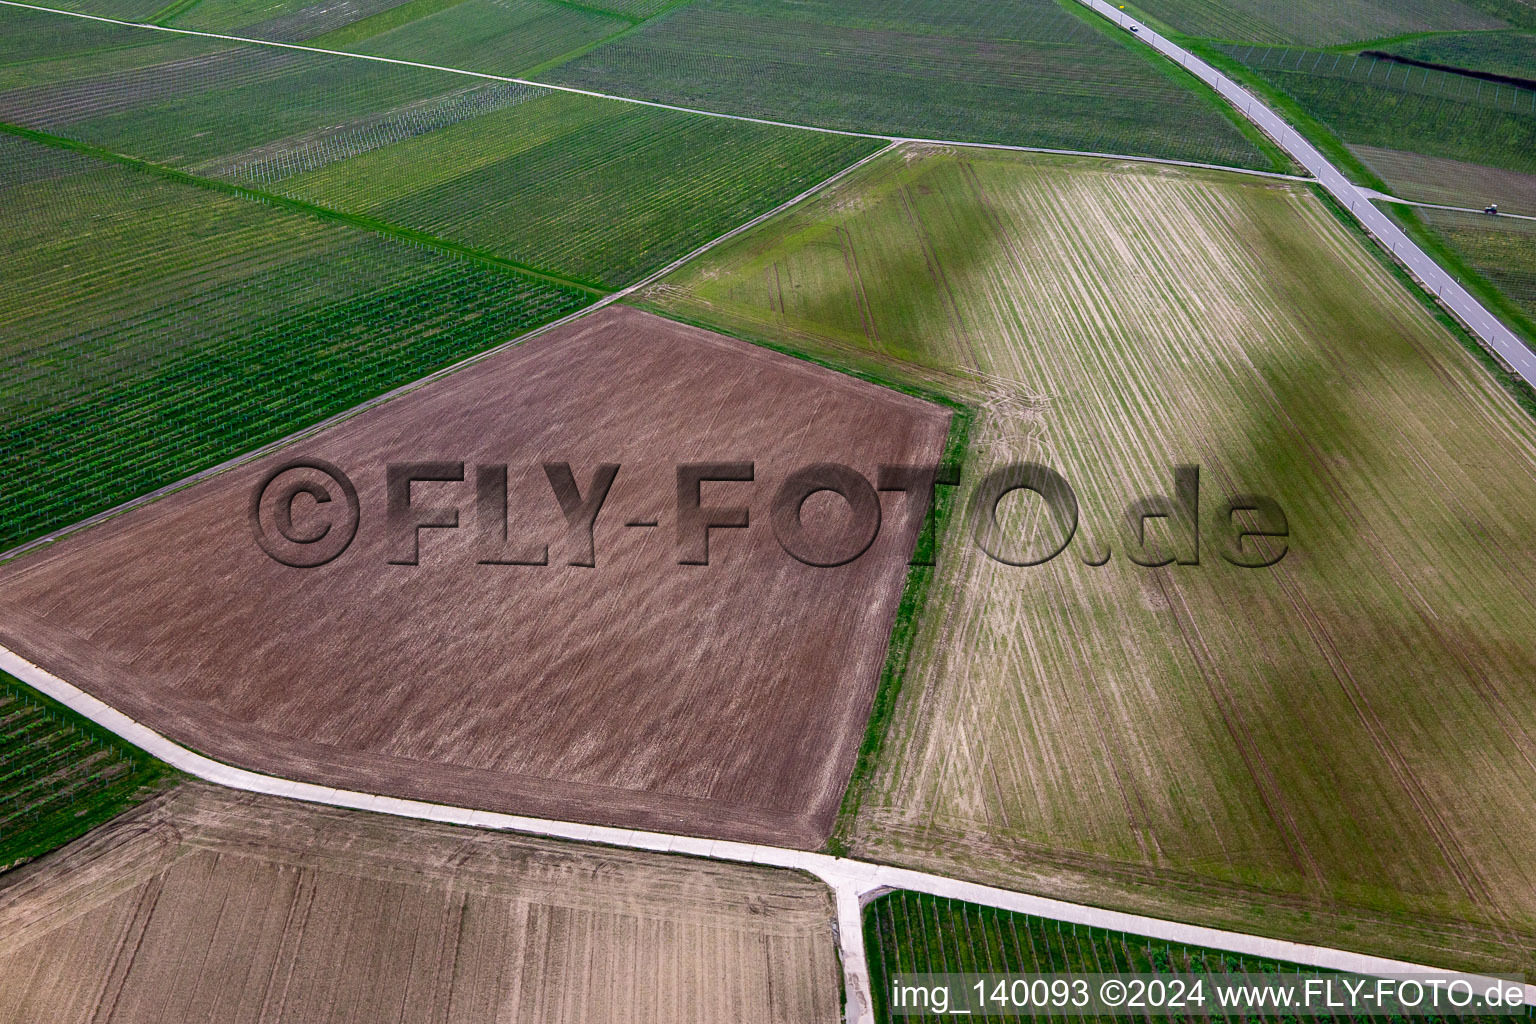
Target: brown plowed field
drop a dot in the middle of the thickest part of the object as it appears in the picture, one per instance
(211, 906)
(723, 700)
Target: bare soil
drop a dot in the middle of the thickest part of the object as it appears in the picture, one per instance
(724, 700)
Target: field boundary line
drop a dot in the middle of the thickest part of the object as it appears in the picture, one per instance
(330, 421)
(534, 83)
(853, 881)
(1496, 336)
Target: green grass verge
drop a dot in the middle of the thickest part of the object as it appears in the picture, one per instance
(61, 775)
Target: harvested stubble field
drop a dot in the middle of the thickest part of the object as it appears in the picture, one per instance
(601, 694)
(207, 905)
(1023, 72)
(151, 328)
(1341, 741)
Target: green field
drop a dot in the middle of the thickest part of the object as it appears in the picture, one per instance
(599, 190)
(30, 36)
(909, 933)
(125, 10)
(637, 9)
(60, 775)
(1321, 22)
(1026, 72)
(1370, 102)
(1501, 249)
(1428, 179)
(1329, 747)
(501, 37)
(151, 328)
(189, 101)
(283, 20)
(1503, 53)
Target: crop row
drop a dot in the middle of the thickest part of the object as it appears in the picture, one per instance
(911, 72)
(1386, 74)
(184, 105)
(150, 329)
(909, 933)
(286, 21)
(309, 154)
(503, 37)
(1316, 22)
(594, 189)
(58, 775)
(1381, 103)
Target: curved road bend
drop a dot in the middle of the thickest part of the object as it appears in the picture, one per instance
(1355, 199)
(852, 881)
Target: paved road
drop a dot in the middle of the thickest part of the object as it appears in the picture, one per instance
(1358, 201)
(852, 881)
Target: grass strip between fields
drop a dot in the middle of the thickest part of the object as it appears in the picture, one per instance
(909, 619)
(914, 592)
(52, 739)
(353, 219)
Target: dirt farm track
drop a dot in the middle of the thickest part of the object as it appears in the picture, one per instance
(602, 694)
